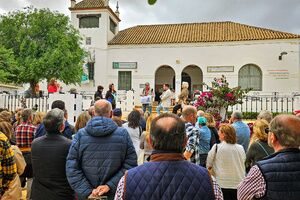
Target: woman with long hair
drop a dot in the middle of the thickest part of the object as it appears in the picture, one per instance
(226, 161)
(82, 120)
(111, 95)
(134, 129)
(15, 190)
(38, 118)
(211, 124)
(144, 145)
(259, 147)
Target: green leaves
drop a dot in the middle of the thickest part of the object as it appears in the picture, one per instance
(151, 2)
(8, 66)
(44, 45)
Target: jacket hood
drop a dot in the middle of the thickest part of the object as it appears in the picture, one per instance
(100, 126)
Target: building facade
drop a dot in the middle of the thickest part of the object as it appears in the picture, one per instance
(266, 60)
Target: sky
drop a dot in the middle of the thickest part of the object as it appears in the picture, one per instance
(282, 15)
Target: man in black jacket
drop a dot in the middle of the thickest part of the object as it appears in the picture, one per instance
(49, 154)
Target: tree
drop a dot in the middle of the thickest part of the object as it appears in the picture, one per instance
(7, 65)
(45, 45)
(151, 2)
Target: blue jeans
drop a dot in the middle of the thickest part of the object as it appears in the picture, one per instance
(147, 106)
(159, 107)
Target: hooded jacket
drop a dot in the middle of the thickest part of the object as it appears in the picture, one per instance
(99, 155)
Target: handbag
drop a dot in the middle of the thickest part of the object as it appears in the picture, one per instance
(211, 170)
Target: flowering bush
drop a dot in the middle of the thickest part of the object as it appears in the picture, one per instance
(220, 95)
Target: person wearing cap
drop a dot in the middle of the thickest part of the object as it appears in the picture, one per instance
(117, 117)
(242, 130)
(204, 139)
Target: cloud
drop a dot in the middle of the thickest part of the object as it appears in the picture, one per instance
(280, 15)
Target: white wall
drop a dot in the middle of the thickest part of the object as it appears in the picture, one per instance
(262, 53)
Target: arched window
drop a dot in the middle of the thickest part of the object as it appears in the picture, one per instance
(250, 76)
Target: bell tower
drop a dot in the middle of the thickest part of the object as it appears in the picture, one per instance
(96, 21)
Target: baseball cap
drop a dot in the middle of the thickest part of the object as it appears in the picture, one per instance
(201, 120)
(117, 112)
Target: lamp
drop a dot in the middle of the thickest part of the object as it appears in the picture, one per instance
(282, 54)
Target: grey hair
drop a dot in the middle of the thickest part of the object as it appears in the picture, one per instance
(185, 84)
(26, 113)
(287, 130)
(237, 115)
(104, 110)
(266, 115)
(53, 120)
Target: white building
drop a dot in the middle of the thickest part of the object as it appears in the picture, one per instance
(266, 60)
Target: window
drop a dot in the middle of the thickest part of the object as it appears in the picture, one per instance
(124, 80)
(113, 26)
(89, 22)
(88, 40)
(250, 76)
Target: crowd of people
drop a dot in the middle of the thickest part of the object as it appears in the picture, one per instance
(147, 156)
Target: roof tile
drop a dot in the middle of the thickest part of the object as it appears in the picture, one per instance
(195, 33)
(90, 4)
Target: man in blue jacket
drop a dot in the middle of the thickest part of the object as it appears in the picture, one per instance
(99, 155)
(69, 129)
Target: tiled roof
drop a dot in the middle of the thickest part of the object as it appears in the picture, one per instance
(90, 4)
(195, 33)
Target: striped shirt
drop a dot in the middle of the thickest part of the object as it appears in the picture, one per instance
(253, 186)
(193, 142)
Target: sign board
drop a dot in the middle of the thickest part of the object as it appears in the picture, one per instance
(279, 74)
(212, 69)
(124, 65)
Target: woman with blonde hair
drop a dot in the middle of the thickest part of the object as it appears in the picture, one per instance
(211, 124)
(82, 120)
(38, 118)
(146, 150)
(15, 190)
(226, 160)
(259, 147)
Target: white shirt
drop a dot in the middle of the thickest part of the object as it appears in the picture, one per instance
(134, 134)
(228, 164)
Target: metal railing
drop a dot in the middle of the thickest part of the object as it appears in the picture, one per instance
(284, 104)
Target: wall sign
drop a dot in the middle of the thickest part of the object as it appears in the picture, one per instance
(124, 65)
(279, 74)
(212, 69)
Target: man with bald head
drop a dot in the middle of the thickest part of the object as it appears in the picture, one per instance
(277, 176)
(99, 155)
(168, 175)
